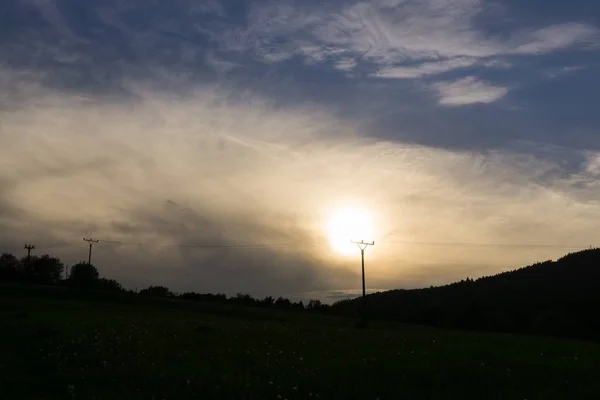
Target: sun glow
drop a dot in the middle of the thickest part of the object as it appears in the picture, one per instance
(347, 225)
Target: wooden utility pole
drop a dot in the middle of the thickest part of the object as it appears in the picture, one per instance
(91, 242)
(29, 247)
(362, 245)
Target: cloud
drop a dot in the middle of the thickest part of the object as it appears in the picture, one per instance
(428, 68)
(216, 167)
(592, 165)
(468, 90)
(381, 39)
(401, 39)
(558, 37)
(554, 73)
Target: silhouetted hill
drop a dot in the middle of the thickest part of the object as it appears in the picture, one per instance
(556, 298)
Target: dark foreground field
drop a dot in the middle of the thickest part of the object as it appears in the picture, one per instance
(92, 350)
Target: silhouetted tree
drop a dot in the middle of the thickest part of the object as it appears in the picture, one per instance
(9, 268)
(208, 297)
(109, 285)
(45, 270)
(313, 305)
(243, 300)
(283, 303)
(158, 291)
(268, 302)
(83, 275)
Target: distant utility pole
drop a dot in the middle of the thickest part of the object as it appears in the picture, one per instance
(91, 242)
(363, 245)
(29, 247)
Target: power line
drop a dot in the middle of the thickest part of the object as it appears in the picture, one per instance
(38, 246)
(283, 245)
(497, 245)
(307, 245)
(214, 246)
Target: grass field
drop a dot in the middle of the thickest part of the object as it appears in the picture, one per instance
(61, 349)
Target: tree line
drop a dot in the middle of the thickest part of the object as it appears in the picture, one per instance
(48, 270)
(558, 298)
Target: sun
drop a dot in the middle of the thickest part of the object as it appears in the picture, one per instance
(348, 224)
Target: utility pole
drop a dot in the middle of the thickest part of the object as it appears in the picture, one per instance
(91, 242)
(29, 247)
(362, 245)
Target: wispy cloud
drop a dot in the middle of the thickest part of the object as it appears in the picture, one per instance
(557, 37)
(403, 39)
(427, 68)
(389, 39)
(592, 165)
(468, 90)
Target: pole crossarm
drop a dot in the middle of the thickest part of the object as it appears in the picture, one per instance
(363, 245)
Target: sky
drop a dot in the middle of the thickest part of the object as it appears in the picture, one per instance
(160, 127)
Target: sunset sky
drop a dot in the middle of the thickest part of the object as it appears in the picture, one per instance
(179, 124)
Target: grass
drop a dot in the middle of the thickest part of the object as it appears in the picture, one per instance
(62, 349)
